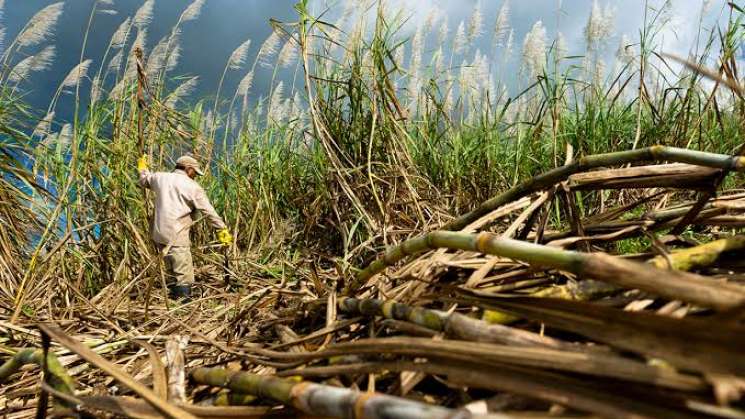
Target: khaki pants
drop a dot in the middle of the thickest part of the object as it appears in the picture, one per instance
(179, 267)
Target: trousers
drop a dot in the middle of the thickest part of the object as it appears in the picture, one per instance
(179, 266)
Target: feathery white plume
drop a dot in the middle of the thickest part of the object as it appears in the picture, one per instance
(65, 136)
(238, 58)
(246, 83)
(480, 77)
(599, 26)
(2, 39)
(210, 123)
(276, 103)
(110, 12)
(625, 52)
(193, 11)
(268, 49)
(288, 54)
(509, 44)
(465, 79)
(106, 2)
(156, 62)
(44, 126)
(144, 14)
(119, 38)
(481, 68)
(460, 40)
(116, 62)
(174, 55)
(96, 89)
(449, 101)
(417, 48)
(412, 90)
(165, 55)
(398, 55)
(561, 48)
(439, 61)
(476, 24)
(77, 74)
(599, 72)
(2, 29)
(415, 64)
(443, 32)
(431, 18)
(534, 49)
(184, 90)
(48, 140)
(502, 25)
(141, 40)
(35, 63)
(118, 91)
(40, 26)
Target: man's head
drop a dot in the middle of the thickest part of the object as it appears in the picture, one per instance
(190, 165)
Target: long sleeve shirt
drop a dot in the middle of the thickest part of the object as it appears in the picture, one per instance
(177, 200)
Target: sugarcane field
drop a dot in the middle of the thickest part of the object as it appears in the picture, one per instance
(378, 209)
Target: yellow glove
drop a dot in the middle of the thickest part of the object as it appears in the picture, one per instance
(224, 237)
(142, 163)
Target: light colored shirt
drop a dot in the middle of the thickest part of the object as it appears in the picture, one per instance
(177, 200)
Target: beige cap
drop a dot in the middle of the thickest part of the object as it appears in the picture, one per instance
(189, 161)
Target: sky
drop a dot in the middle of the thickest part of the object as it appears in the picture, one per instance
(225, 24)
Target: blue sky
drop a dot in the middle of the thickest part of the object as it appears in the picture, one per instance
(225, 24)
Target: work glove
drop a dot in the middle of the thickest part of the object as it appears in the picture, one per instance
(224, 237)
(142, 163)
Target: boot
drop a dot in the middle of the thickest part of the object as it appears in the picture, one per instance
(180, 292)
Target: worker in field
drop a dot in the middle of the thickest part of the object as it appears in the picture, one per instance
(178, 197)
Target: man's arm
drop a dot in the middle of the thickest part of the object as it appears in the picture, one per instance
(145, 174)
(203, 204)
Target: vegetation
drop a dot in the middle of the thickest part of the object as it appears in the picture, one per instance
(376, 133)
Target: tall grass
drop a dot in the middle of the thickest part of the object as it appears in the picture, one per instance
(354, 146)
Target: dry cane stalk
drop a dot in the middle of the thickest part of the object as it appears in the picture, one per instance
(671, 284)
(699, 256)
(547, 179)
(454, 324)
(321, 400)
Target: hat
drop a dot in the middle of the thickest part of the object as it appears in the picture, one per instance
(189, 161)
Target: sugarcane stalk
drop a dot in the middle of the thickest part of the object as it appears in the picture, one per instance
(699, 256)
(603, 267)
(600, 364)
(321, 400)
(59, 379)
(655, 153)
(230, 398)
(453, 324)
(680, 260)
(584, 290)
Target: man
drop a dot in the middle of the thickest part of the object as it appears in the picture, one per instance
(177, 198)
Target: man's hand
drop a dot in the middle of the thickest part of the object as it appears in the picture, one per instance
(224, 237)
(142, 163)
